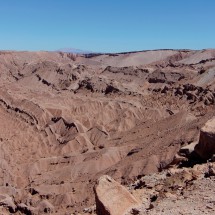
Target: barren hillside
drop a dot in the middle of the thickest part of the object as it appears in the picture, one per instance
(65, 122)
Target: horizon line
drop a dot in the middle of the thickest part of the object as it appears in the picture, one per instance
(95, 52)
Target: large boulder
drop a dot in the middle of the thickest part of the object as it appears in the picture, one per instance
(112, 198)
(206, 146)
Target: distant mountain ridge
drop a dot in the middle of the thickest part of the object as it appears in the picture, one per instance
(74, 50)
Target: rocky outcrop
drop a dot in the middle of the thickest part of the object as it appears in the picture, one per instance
(190, 92)
(112, 198)
(188, 150)
(7, 202)
(206, 146)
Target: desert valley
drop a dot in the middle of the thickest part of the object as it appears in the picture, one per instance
(111, 134)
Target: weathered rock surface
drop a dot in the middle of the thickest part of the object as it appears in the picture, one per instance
(188, 149)
(112, 198)
(7, 202)
(206, 146)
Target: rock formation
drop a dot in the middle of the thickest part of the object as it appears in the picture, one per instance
(206, 146)
(112, 198)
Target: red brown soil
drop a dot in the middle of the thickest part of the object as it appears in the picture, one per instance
(64, 123)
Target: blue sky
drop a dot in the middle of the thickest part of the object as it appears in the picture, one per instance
(106, 25)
